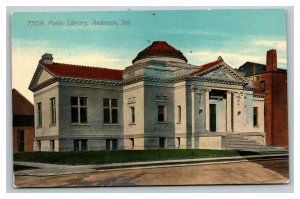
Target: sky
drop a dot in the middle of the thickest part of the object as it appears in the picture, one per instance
(238, 35)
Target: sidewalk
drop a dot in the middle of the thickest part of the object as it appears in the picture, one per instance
(43, 169)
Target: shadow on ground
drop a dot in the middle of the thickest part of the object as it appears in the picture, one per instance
(22, 168)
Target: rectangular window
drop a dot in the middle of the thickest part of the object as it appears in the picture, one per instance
(80, 145)
(39, 114)
(262, 85)
(179, 113)
(21, 140)
(132, 114)
(255, 116)
(53, 110)
(177, 144)
(38, 145)
(110, 111)
(79, 109)
(52, 145)
(111, 144)
(162, 113)
(162, 143)
(132, 142)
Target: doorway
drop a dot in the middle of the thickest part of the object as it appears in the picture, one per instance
(212, 111)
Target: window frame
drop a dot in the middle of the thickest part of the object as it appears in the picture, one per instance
(179, 113)
(80, 144)
(255, 116)
(39, 145)
(52, 145)
(132, 109)
(164, 113)
(178, 141)
(53, 110)
(19, 132)
(78, 106)
(132, 143)
(111, 144)
(162, 142)
(111, 110)
(262, 85)
(39, 115)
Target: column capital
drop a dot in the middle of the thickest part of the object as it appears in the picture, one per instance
(205, 89)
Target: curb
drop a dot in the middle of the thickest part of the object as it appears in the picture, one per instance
(141, 165)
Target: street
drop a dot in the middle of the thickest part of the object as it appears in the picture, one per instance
(241, 172)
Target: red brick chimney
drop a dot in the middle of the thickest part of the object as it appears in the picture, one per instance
(272, 60)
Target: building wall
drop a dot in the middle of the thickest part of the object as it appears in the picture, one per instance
(276, 107)
(212, 142)
(23, 119)
(155, 96)
(280, 110)
(95, 127)
(133, 96)
(47, 130)
(180, 99)
(28, 138)
(181, 95)
(259, 103)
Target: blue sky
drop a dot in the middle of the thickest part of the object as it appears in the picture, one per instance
(202, 35)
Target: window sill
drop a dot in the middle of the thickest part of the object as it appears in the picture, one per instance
(178, 122)
(117, 124)
(255, 126)
(132, 124)
(39, 127)
(80, 124)
(51, 125)
(162, 122)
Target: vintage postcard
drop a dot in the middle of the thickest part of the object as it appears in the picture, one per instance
(149, 97)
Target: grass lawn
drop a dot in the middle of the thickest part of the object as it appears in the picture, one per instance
(104, 157)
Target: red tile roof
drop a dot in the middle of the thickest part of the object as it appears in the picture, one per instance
(206, 67)
(68, 70)
(160, 49)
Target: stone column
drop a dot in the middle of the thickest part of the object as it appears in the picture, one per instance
(228, 112)
(190, 142)
(207, 116)
(193, 108)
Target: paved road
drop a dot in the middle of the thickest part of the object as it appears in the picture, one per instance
(243, 172)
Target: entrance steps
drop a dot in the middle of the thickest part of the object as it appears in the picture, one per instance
(241, 143)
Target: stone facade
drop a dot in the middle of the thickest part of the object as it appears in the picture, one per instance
(160, 101)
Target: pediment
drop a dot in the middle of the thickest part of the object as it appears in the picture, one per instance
(44, 76)
(219, 73)
(222, 72)
(41, 78)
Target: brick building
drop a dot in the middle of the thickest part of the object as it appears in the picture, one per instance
(23, 123)
(271, 82)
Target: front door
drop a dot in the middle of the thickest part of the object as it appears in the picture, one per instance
(212, 111)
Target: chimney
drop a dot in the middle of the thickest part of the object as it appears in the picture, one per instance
(272, 60)
(47, 58)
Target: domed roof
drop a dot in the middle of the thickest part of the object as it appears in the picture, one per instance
(160, 49)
